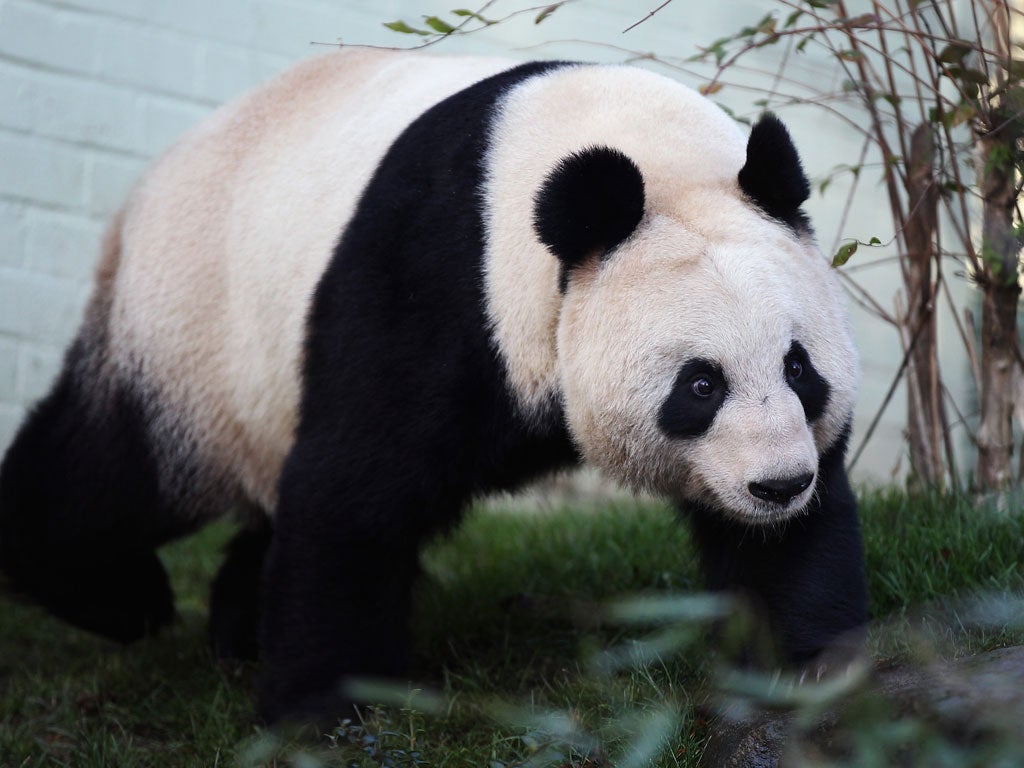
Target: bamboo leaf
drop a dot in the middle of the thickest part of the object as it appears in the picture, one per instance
(438, 25)
(710, 88)
(405, 29)
(850, 55)
(955, 52)
(546, 12)
(846, 250)
(465, 12)
(974, 76)
(792, 19)
(962, 114)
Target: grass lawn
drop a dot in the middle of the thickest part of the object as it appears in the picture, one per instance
(508, 628)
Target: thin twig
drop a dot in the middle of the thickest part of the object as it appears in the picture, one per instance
(645, 18)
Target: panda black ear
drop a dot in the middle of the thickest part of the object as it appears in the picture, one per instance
(772, 176)
(589, 203)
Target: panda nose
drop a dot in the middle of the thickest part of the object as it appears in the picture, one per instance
(781, 490)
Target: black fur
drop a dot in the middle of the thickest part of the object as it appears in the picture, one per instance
(686, 413)
(589, 204)
(809, 386)
(772, 176)
(76, 482)
(405, 414)
(808, 574)
(235, 595)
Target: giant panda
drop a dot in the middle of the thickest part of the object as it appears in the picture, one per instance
(385, 284)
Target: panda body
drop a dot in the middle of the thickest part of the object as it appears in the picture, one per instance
(384, 284)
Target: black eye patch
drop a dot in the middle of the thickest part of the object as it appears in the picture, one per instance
(803, 379)
(698, 393)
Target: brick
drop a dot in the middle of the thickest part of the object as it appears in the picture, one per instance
(8, 370)
(62, 245)
(154, 60)
(42, 35)
(110, 179)
(226, 71)
(87, 112)
(12, 234)
(41, 170)
(11, 416)
(39, 308)
(18, 96)
(165, 119)
(289, 28)
(231, 21)
(38, 367)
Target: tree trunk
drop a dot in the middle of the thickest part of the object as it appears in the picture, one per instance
(924, 403)
(999, 281)
(1000, 291)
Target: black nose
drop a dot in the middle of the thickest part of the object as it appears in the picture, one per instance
(781, 490)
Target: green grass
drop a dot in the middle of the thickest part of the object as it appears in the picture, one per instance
(509, 616)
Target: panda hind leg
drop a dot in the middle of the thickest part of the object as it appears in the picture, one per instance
(235, 595)
(80, 515)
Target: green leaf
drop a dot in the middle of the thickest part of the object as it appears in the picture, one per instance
(974, 76)
(473, 15)
(820, 3)
(955, 52)
(546, 12)
(792, 19)
(874, 241)
(962, 114)
(803, 43)
(405, 29)
(438, 25)
(846, 250)
(850, 55)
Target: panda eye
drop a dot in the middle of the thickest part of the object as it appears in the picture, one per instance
(702, 387)
(794, 369)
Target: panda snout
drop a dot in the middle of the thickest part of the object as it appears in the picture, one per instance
(781, 490)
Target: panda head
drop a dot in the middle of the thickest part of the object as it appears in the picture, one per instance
(704, 349)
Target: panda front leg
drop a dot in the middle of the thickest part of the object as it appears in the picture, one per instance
(235, 593)
(336, 593)
(808, 574)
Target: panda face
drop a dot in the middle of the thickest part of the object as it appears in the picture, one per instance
(705, 370)
(650, 276)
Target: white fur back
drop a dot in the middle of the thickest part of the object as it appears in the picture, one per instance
(225, 238)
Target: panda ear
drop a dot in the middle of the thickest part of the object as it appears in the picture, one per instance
(772, 176)
(589, 203)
